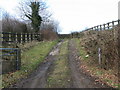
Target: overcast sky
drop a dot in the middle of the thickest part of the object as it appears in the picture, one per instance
(75, 15)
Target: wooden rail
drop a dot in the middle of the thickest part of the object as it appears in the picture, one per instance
(99, 44)
(9, 37)
(106, 26)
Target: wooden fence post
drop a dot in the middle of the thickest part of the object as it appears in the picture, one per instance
(21, 39)
(16, 37)
(104, 26)
(97, 28)
(25, 37)
(112, 23)
(100, 27)
(108, 25)
(1, 38)
(31, 37)
(9, 37)
(118, 21)
(92, 28)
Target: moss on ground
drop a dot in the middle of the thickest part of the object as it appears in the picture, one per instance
(60, 76)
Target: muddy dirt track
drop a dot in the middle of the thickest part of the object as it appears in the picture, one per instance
(38, 79)
(80, 79)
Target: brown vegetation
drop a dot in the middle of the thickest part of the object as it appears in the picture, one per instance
(107, 40)
(10, 24)
(49, 35)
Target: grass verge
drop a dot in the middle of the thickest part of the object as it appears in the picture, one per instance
(29, 61)
(104, 76)
(60, 76)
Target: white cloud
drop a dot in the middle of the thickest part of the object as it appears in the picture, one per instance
(75, 14)
(79, 14)
(9, 5)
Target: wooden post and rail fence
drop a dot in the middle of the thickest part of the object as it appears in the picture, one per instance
(10, 57)
(113, 26)
(10, 37)
(106, 26)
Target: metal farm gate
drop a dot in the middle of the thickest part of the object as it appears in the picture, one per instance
(10, 59)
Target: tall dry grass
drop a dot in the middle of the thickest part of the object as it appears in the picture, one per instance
(109, 43)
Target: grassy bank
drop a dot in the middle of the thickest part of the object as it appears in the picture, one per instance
(60, 76)
(105, 76)
(30, 60)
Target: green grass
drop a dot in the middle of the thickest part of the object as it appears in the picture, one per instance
(60, 76)
(30, 60)
(81, 49)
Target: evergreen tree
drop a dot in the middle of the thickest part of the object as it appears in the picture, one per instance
(34, 16)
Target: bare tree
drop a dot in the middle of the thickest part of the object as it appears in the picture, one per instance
(10, 24)
(50, 30)
(51, 25)
(27, 12)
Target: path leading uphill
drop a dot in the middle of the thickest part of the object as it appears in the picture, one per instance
(80, 79)
(38, 79)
